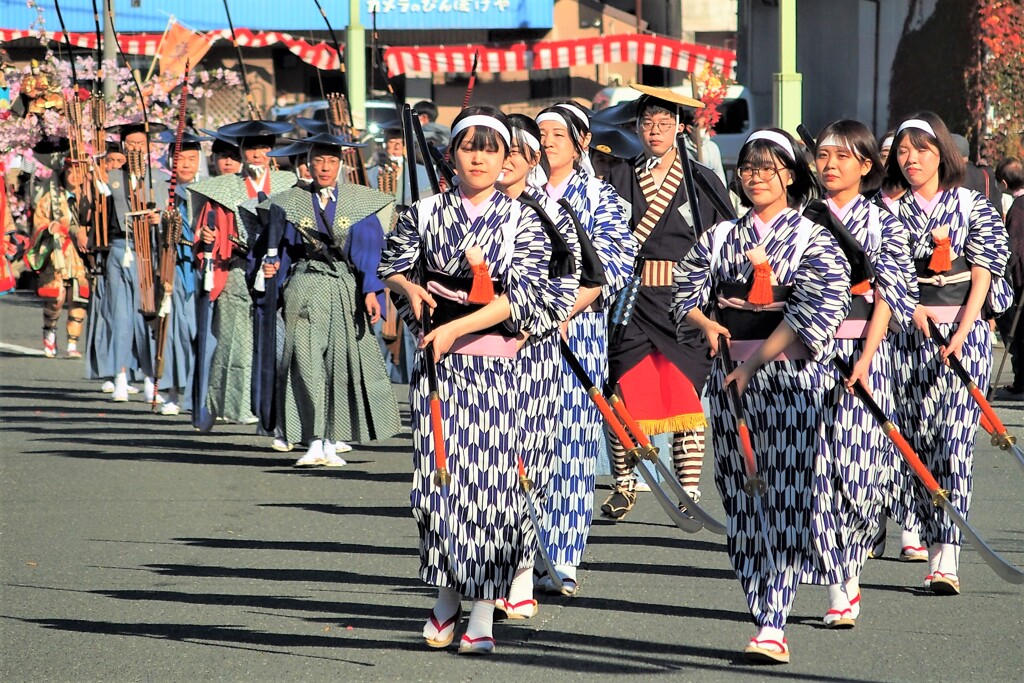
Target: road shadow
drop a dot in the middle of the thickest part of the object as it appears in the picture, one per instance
(398, 512)
(304, 546)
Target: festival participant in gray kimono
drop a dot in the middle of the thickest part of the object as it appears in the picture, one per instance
(333, 387)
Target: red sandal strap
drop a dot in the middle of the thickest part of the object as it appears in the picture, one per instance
(448, 623)
(482, 639)
(761, 643)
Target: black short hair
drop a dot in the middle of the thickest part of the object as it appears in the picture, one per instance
(859, 139)
(951, 165)
(427, 108)
(1011, 172)
(761, 152)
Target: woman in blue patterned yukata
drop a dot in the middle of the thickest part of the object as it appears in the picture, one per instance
(569, 509)
(444, 248)
(849, 168)
(523, 179)
(780, 288)
(960, 248)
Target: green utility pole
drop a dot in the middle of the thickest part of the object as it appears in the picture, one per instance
(109, 52)
(787, 90)
(355, 65)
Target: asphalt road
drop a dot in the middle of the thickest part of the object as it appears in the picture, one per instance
(134, 548)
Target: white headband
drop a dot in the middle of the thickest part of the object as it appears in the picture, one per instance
(531, 142)
(584, 119)
(485, 121)
(553, 117)
(777, 138)
(833, 141)
(916, 123)
(887, 142)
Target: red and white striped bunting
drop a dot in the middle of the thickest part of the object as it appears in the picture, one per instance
(561, 54)
(320, 55)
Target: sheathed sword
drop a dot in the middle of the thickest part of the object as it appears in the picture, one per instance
(542, 546)
(1006, 571)
(690, 525)
(754, 485)
(649, 451)
(442, 478)
(995, 427)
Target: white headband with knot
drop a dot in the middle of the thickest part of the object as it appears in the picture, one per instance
(919, 124)
(485, 121)
(580, 114)
(531, 142)
(777, 138)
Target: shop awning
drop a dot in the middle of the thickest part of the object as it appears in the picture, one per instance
(560, 54)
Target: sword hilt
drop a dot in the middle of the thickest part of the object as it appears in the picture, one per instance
(938, 496)
(649, 452)
(1004, 441)
(754, 486)
(526, 483)
(633, 455)
(441, 477)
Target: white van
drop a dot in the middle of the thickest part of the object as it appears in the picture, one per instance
(736, 123)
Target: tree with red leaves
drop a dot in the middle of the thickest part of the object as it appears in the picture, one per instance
(995, 80)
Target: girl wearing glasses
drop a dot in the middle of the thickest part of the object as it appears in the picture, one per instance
(849, 167)
(960, 249)
(565, 133)
(775, 287)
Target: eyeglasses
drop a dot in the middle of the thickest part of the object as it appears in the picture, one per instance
(765, 173)
(661, 126)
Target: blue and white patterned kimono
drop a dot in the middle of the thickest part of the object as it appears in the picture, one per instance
(472, 539)
(542, 414)
(862, 455)
(785, 405)
(940, 417)
(570, 505)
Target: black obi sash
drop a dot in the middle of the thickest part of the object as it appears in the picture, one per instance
(746, 324)
(953, 294)
(448, 310)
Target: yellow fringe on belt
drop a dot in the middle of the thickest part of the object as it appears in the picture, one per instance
(677, 423)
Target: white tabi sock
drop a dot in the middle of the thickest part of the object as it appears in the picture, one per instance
(481, 620)
(522, 586)
(837, 597)
(448, 602)
(934, 555)
(771, 633)
(566, 571)
(949, 559)
(148, 388)
(910, 538)
(120, 387)
(853, 592)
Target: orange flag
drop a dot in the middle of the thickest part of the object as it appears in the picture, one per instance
(181, 45)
